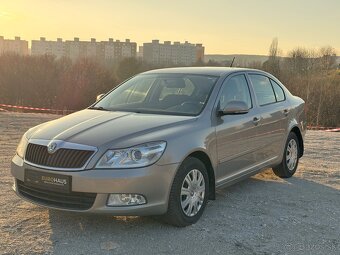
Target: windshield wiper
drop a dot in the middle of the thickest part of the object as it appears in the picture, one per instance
(100, 108)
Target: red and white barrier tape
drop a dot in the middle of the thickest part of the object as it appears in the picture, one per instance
(328, 129)
(333, 130)
(33, 108)
(25, 107)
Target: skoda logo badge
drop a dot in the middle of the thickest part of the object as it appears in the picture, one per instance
(51, 147)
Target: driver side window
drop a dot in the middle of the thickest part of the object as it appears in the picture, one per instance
(235, 89)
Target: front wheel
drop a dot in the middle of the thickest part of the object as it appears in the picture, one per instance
(189, 193)
(290, 159)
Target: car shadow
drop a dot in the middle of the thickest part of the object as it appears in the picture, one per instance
(262, 214)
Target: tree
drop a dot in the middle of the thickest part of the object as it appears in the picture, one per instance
(82, 82)
(327, 58)
(129, 67)
(272, 65)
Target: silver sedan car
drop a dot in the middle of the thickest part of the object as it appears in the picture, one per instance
(162, 142)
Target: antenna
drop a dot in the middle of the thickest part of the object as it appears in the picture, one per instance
(232, 62)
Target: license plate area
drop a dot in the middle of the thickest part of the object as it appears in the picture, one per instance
(48, 181)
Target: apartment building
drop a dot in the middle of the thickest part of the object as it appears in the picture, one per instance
(44, 47)
(117, 50)
(156, 53)
(172, 54)
(83, 49)
(74, 49)
(140, 52)
(16, 46)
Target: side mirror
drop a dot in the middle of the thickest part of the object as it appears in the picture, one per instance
(234, 107)
(100, 96)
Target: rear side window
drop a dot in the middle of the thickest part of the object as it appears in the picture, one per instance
(279, 94)
(263, 89)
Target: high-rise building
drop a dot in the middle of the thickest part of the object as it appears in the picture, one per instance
(117, 50)
(43, 47)
(172, 54)
(199, 52)
(112, 50)
(74, 49)
(16, 46)
(82, 49)
(140, 52)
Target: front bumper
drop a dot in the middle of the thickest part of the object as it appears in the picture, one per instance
(153, 182)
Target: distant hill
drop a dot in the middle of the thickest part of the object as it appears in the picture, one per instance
(240, 59)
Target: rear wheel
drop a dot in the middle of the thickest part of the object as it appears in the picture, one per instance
(189, 193)
(290, 159)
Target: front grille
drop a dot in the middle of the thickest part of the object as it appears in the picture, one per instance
(62, 158)
(72, 200)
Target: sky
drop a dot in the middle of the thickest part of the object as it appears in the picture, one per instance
(223, 26)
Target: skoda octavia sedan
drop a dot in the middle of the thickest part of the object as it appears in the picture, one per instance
(161, 143)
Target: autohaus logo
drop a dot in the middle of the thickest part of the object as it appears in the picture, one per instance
(52, 147)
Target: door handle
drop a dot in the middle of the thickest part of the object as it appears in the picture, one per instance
(285, 112)
(256, 120)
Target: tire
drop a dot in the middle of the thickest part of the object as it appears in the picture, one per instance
(176, 215)
(288, 169)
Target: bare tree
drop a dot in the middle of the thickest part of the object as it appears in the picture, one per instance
(311, 74)
(272, 65)
(327, 57)
(273, 49)
(44, 81)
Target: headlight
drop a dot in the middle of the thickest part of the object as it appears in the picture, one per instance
(21, 149)
(137, 156)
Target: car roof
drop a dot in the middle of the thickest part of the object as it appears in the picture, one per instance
(214, 71)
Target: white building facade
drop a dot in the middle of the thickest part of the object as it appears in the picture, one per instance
(16, 46)
(43, 47)
(172, 54)
(155, 53)
(74, 49)
(117, 50)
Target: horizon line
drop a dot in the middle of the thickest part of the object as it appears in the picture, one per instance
(29, 41)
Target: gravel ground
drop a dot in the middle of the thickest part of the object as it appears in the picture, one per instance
(261, 215)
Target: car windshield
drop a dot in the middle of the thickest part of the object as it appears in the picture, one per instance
(176, 94)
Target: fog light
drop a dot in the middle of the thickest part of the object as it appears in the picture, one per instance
(125, 199)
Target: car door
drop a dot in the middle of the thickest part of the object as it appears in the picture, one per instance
(235, 133)
(272, 111)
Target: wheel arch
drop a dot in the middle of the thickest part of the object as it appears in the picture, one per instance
(297, 132)
(202, 156)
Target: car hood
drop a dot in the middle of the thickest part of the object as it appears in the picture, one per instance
(96, 128)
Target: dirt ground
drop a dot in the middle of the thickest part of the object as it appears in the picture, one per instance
(261, 215)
